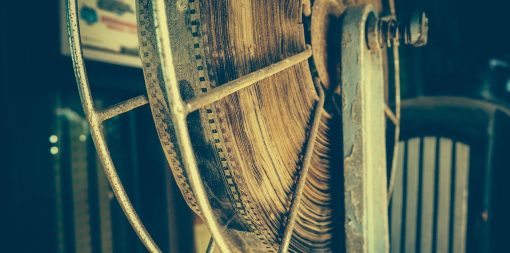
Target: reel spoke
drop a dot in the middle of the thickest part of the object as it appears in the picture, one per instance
(391, 115)
(246, 81)
(122, 107)
(300, 186)
(179, 109)
(210, 246)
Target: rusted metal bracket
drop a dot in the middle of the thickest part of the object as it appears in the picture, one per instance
(363, 114)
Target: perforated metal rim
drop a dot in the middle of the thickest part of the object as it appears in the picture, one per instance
(180, 109)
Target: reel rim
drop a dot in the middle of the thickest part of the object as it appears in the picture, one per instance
(97, 117)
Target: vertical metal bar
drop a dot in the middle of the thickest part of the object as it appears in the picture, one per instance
(123, 107)
(366, 206)
(96, 127)
(396, 79)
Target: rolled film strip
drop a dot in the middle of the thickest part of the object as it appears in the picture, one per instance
(163, 101)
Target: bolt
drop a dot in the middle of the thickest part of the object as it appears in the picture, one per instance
(385, 31)
(416, 31)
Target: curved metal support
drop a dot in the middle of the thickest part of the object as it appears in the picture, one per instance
(296, 201)
(96, 118)
(179, 110)
(396, 71)
(178, 114)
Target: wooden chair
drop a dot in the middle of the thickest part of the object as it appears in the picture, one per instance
(450, 189)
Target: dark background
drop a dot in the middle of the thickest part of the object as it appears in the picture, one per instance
(465, 35)
(36, 80)
(41, 193)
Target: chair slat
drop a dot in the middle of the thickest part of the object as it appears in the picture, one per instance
(396, 202)
(413, 164)
(427, 197)
(443, 201)
(461, 197)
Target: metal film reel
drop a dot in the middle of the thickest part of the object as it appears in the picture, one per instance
(181, 73)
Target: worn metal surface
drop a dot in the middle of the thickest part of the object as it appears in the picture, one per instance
(123, 107)
(170, 110)
(160, 49)
(366, 221)
(95, 123)
(325, 34)
(245, 81)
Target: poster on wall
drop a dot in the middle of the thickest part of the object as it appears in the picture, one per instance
(108, 31)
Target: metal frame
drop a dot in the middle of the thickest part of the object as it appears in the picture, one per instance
(96, 119)
(364, 144)
(179, 110)
(397, 113)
